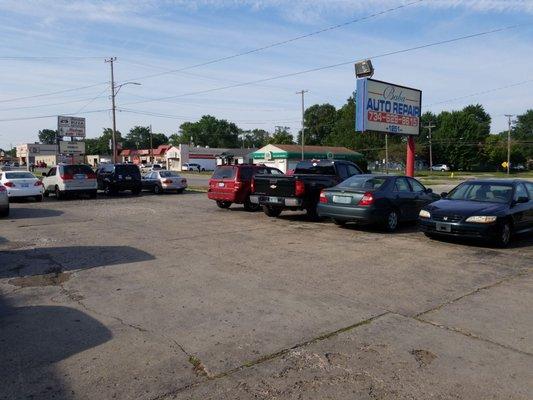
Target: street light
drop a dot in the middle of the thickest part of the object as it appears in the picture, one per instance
(364, 69)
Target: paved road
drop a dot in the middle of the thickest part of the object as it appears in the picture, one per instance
(160, 297)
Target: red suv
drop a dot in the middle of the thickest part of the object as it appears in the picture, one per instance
(232, 184)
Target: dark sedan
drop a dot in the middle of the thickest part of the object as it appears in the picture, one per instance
(487, 209)
(375, 199)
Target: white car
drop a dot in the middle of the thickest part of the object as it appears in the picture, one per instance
(440, 167)
(22, 184)
(70, 179)
(4, 202)
(192, 167)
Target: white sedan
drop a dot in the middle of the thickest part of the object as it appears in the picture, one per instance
(22, 184)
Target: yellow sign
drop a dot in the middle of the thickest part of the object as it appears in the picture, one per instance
(504, 164)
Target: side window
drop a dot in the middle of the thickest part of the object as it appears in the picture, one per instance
(417, 186)
(529, 186)
(402, 185)
(352, 170)
(274, 171)
(520, 191)
(52, 172)
(342, 171)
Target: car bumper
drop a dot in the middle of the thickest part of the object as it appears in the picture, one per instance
(233, 197)
(68, 187)
(348, 214)
(173, 186)
(276, 201)
(460, 229)
(25, 192)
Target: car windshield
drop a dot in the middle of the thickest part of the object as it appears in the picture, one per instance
(224, 173)
(19, 175)
(77, 169)
(167, 174)
(363, 183)
(484, 192)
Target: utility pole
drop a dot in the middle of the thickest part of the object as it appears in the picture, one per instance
(509, 116)
(151, 145)
(114, 137)
(429, 127)
(302, 92)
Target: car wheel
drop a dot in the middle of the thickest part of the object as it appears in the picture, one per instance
(430, 235)
(4, 212)
(203, 169)
(93, 194)
(180, 191)
(391, 221)
(249, 206)
(504, 235)
(223, 204)
(272, 212)
(46, 193)
(339, 222)
(107, 190)
(59, 193)
(157, 189)
(39, 198)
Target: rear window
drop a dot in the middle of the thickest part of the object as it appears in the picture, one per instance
(127, 169)
(363, 183)
(19, 175)
(224, 173)
(77, 169)
(167, 174)
(315, 168)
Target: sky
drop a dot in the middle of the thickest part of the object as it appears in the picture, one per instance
(52, 59)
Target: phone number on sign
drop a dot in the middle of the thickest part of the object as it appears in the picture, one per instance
(376, 116)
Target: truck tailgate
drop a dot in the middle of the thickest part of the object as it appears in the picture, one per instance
(280, 186)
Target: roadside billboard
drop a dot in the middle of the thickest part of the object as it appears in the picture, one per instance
(73, 148)
(71, 126)
(388, 108)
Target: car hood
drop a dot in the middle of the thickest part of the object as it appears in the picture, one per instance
(465, 208)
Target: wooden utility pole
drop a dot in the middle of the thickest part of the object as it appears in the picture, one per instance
(302, 92)
(429, 126)
(113, 108)
(509, 116)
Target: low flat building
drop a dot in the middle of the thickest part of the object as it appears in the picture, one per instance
(286, 156)
(206, 157)
(145, 156)
(27, 152)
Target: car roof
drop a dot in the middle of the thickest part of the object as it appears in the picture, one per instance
(508, 181)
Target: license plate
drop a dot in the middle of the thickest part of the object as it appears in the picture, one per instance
(128, 178)
(342, 199)
(220, 184)
(273, 200)
(25, 185)
(80, 176)
(441, 227)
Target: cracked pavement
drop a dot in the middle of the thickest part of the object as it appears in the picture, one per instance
(161, 297)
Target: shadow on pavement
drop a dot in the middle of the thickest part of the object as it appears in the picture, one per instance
(33, 339)
(22, 212)
(47, 260)
(518, 241)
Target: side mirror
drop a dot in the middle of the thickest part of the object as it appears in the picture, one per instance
(44, 174)
(429, 190)
(444, 194)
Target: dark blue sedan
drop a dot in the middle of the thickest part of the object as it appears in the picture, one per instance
(487, 209)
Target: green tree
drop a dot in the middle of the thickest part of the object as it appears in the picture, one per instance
(139, 138)
(255, 138)
(47, 136)
(319, 121)
(522, 134)
(210, 131)
(101, 144)
(282, 135)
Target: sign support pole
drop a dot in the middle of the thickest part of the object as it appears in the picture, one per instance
(410, 163)
(387, 153)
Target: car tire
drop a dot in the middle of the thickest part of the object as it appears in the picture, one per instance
(46, 193)
(503, 238)
(339, 222)
(39, 198)
(157, 189)
(59, 194)
(430, 235)
(272, 212)
(223, 204)
(180, 191)
(249, 206)
(108, 191)
(93, 194)
(4, 212)
(391, 221)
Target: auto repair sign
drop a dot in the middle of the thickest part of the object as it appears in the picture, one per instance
(388, 108)
(71, 126)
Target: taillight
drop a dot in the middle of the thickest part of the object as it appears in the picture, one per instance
(167, 181)
(252, 186)
(9, 184)
(367, 199)
(323, 198)
(67, 177)
(38, 183)
(237, 186)
(299, 188)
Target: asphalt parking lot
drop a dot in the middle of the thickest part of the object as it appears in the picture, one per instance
(162, 297)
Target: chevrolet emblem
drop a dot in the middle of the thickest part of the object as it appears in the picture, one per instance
(445, 218)
(273, 186)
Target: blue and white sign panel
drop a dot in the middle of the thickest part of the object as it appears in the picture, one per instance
(385, 107)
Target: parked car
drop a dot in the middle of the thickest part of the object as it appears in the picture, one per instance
(145, 168)
(4, 202)
(386, 200)
(301, 190)
(440, 167)
(114, 178)
(6, 167)
(164, 181)
(232, 184)
(68, 179)
(192, 167)
(22, 184)
(492, 210)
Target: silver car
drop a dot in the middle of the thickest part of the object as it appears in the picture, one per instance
(4, 202)
(162, 181)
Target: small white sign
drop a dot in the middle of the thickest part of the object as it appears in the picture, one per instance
(74, 148)
(71, 126)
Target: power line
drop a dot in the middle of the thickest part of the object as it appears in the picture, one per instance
(52, 93)
(390, 53)
(283, 42)
(51, 116)
(36, 58)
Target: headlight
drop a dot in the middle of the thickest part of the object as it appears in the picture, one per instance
(482, 219)
(424, 214)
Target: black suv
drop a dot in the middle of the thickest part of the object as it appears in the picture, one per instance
(113, 178)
